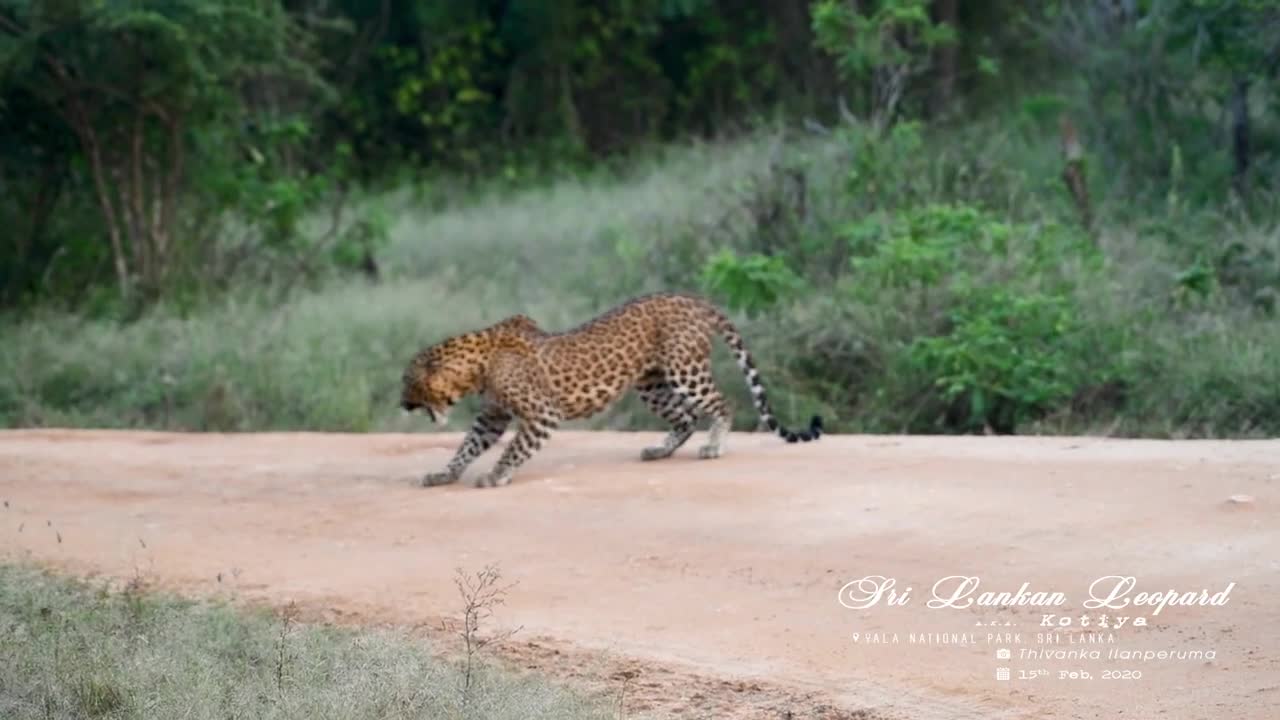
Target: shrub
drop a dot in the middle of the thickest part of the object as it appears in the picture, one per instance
(1006, 359)
(750, 283)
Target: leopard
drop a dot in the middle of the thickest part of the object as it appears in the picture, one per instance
(658, 344)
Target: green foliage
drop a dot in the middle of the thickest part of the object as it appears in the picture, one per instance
(1164, 80)
(721, 61)
(982, 165)
(995, 329)
(934, 310)
(750, 283)
(871, 37)
(1005, 360)
(445, 95)
(1195, 283)
(878, 168)
(359, 243)
(192, 169)
(1234, 36)
(922, 247)
(473, 86)
(883, 45)
(1248, 268)
(147, 134)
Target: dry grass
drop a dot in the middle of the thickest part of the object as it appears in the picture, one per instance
(71, 650)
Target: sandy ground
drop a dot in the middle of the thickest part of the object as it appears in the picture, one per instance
(711, 588)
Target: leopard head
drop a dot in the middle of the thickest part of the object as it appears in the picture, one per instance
(440, 376)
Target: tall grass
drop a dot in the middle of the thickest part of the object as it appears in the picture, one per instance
(332, 360)
(1174, 310)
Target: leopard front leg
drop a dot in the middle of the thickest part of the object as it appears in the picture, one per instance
(485, 431)
(528, 440)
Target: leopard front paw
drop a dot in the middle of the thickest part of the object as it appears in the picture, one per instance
(438, 478)
(656, 453)
(492, 479)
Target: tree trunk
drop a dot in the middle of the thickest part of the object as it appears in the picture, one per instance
(78, 117)
(132, 189)
(48, 190)
(1240, 132)
(945, 58)
(89, 139)
(1073, 171)
(568, 110)
(167, 194)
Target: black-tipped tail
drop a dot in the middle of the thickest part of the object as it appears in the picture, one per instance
(734, 340)
(813, 433)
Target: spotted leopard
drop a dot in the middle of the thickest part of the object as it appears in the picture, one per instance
(658, 344)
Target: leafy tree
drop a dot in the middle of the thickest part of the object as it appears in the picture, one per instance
(143, 97)
(880, 46)
(1161, 76)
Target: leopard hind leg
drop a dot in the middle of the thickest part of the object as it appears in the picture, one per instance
(661, 396)
(705, 400)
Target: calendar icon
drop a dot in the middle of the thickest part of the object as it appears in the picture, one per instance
(1002, 673)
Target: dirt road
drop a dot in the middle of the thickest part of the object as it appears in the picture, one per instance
(718, 581)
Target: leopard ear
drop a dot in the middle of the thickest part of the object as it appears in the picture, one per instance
(518, 323)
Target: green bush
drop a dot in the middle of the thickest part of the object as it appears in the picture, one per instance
(995, 323)
(1006, 359)
(750, 283)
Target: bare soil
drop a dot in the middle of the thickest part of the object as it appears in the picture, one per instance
(709, 588)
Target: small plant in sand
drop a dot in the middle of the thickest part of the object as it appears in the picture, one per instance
(288, 617)
(481, 592)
